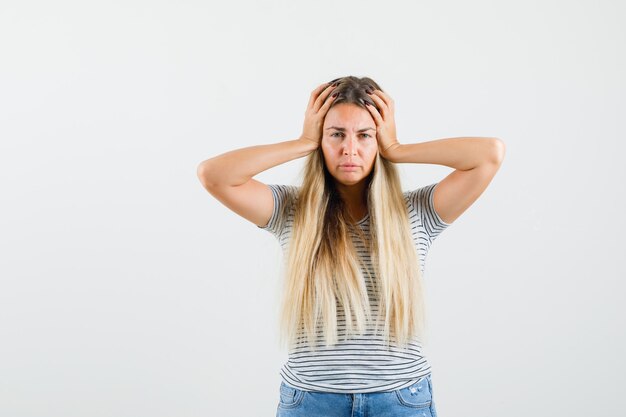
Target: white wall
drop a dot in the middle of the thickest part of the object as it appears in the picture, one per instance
(127, 290)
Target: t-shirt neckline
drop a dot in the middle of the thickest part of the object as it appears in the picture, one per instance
(363, 219)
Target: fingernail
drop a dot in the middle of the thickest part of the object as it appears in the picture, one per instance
(334, 95)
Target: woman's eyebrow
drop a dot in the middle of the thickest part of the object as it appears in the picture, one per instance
(342, 129)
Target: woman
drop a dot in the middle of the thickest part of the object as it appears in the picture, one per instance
(354, 244)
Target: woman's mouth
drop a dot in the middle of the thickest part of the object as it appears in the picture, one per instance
(348, 167)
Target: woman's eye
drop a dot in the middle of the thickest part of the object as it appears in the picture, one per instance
(363, 134)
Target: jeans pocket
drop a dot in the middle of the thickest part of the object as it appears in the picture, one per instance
(417, 395)
(433, 410)
(290, 397)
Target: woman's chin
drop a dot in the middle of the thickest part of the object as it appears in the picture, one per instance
(347, 180)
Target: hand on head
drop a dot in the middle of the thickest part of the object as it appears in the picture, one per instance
(318, 106)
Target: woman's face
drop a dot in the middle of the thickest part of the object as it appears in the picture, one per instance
(349, 137)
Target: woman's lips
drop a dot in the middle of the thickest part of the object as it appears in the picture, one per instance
(348, 167)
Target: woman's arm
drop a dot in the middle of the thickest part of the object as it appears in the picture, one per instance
(462, 153)
(228, 177)
(476, 161)
(237, 167)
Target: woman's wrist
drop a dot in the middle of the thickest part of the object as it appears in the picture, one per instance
(311, 145)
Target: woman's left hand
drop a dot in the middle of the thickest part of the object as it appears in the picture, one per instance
(385, 122)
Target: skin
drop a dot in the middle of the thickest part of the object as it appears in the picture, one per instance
(350, 146)
(475, 160)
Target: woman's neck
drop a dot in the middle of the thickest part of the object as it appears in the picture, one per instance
(355, 199)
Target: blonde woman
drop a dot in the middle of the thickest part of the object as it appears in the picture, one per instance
(354, 245)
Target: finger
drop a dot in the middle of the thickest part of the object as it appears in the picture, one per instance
(315, 93)
(324, 109)
(320, 101)
(375, 114)
(384, 97)
(382, 106)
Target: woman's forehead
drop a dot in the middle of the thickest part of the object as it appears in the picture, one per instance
(351, 117)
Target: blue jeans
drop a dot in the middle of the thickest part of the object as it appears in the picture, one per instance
(413, 401)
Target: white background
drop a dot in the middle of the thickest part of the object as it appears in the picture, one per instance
(127, 290)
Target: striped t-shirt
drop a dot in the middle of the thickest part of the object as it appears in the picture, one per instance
(360, 364)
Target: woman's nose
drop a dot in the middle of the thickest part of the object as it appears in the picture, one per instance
(349, 147)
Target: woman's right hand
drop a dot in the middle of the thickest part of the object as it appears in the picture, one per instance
(319, 104)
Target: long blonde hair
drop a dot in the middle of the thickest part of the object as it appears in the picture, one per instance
(322, 273)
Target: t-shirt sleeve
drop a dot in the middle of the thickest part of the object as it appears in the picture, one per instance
(283, 195)
(422, 201)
